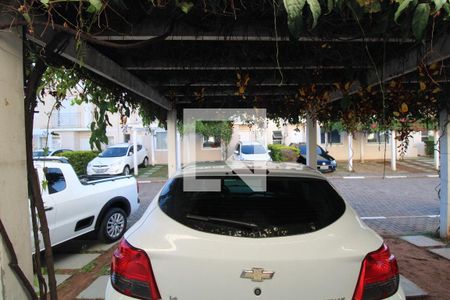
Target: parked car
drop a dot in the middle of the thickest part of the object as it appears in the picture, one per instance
(50, 152)
(117, 159)
(75, 206)
(298, 239)
(325, 162)
(252, 151)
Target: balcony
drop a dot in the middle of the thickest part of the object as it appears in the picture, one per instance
(65, 120)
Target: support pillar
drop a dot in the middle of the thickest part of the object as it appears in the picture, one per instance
(444, 224)
(135, 160)
(178, 150)
(153, 147)
(362, 140)
(14, 205)
(311, 143)
(171, 142)
(393, 151)
(436, 149)
(350, 151)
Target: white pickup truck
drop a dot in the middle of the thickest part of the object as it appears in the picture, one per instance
(75, 206)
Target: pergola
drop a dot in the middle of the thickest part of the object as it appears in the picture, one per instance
(241, 56)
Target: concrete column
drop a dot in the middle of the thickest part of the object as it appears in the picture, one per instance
(393, 151)
(326, 140)
(436, 149)
(13, 173)
(311, 143)
(171, 141)
(350, 151)
(178, 150)
(444, 225)
(362, 141)
(153, 147)
(135, 160)
(318, 133)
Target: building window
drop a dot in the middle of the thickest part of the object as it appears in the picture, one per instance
(377, 137)
(161, 140)
(210, 142)
(327, 137)
(126, 137)
(277, 137)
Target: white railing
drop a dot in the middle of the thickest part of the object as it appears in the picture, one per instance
(65, 120)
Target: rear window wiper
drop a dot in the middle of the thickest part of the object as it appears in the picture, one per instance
(221, 220)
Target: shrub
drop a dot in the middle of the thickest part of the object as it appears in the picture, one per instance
(280, 152)
(429, 147)
(79, 159)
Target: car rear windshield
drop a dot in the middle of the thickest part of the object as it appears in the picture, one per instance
(253, 149)
(289, 206)
(114, 152)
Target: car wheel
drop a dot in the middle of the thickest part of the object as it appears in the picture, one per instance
(126, 170)
(113, 225)
(145, 162)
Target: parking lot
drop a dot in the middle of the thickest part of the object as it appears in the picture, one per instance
(391, 206)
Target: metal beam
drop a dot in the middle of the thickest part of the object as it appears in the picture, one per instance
(404, 65)
(217, 67)
(240, 30)
(266, 37)
(401, 66)
(100, 64)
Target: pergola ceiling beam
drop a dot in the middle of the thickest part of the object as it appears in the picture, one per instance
(233, 93)
(178, 67)
(252, 38)
(262, 31)
(103, 66)
(407, 64)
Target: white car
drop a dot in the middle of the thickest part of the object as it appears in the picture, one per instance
(297, 240)
(251, 151)
(117, 159)
(50, 152)
(75, 206)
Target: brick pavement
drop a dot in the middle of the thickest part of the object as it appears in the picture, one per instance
(400, 206)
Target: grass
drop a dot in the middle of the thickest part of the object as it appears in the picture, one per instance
(105, 270)
(89, 267)
(159, 171)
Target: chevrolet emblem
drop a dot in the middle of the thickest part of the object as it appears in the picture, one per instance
(257, 274)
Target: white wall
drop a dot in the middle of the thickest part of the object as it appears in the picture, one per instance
(13, 183)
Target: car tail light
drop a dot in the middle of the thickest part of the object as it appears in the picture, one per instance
(379, 277)
(132, 274)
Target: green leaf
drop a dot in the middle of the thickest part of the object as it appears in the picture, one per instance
(295, 16)
(420, 20)
(44, 185)
(447, 10)
(438, 4)
(27, 17)
(314, 6)
(403, 5)
(45, 2)
(330, 6)
(97, 4)
(91, 9)
(185, 6)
